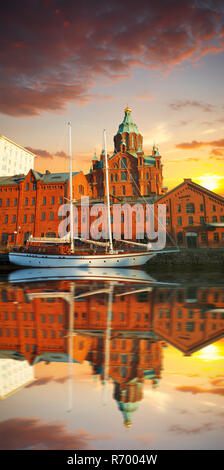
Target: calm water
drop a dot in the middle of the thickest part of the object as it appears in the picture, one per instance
(107, 362)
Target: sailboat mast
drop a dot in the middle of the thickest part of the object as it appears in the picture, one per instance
(70, 187)
(108, 196)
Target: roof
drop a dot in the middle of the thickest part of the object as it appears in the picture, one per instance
(127, 124)
(56, 177)
(10, 180)
(46, 178)
(149, 160)
(194, 186)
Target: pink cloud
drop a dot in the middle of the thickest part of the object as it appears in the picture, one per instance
(45, 154)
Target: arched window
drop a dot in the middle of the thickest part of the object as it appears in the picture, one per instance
(116, 177)
(111, 177)
(81, 189)
(124, 176)
(148, 189)
(124, 163)
(127, 140)
(133, 141)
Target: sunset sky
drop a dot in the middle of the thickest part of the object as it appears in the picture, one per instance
(84, 61)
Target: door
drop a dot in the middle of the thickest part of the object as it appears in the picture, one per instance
(192, 240)
(4, 238)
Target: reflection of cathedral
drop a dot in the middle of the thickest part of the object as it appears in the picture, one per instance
(35, 326)
(132, 361)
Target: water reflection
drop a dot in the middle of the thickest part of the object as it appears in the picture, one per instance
(119, 326)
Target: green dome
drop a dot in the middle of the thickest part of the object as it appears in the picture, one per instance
(128, 124)
(127, 409)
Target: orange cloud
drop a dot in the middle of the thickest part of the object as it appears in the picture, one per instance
(194, 390)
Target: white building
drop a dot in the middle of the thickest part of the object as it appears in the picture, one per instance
(14, 375)
(14, 159)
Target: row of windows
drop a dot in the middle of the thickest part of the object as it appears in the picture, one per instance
(190, 326)
(14, 202)
(191, 220)
(134, 190)
(25, 217)
(192, 314)
(31, 333)
(34, 187)
(190, 208)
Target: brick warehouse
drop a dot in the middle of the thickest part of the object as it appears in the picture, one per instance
(29, 203)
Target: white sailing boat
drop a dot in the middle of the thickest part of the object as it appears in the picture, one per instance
(59, 258)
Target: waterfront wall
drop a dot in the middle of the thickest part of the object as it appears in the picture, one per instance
(191, 257)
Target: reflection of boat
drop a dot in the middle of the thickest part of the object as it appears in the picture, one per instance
(40, 274)
(62, 253)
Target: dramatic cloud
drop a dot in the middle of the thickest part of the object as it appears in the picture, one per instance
(53, 51)
(179, 104)
(23, 433)
(45, 154)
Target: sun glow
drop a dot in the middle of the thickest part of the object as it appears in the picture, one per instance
(209, 181)
(209, 353)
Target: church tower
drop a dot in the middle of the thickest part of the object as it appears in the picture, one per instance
(128, 137)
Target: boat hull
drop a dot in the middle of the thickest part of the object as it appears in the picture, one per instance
(73, 261)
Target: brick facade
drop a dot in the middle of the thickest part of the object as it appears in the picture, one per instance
(29, 204)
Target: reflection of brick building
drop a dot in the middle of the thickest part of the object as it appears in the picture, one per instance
(34, 325)
(132, 173)
(189, 318)
(186, 317)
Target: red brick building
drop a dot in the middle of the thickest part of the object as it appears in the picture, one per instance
(131, 172)
(194, 216)
(29, 204)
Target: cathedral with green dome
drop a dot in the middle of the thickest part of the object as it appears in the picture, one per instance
(132, 173)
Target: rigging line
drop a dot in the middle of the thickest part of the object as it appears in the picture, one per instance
(159, 222)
